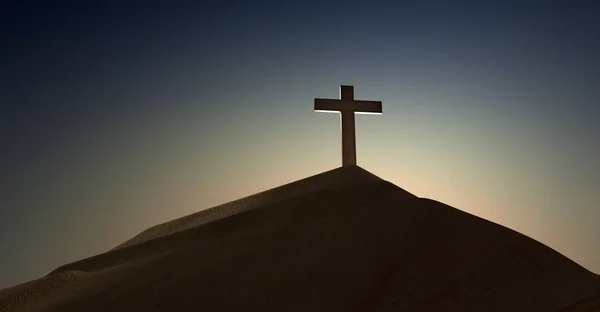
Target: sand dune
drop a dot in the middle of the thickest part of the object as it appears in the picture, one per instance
(344, 240)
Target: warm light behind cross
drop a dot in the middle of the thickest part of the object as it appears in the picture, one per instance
(347, 106)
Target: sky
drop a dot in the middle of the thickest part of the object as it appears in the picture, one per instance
(119, 115)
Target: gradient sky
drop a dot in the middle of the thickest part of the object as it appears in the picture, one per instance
(118, 115)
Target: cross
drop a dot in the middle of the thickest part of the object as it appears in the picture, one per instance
(347, 106)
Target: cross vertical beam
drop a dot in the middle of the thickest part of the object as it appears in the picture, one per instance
(347, 106)
(348, 129)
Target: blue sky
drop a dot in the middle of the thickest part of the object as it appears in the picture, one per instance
(116, 117)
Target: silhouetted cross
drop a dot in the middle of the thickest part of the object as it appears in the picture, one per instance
(347, 106)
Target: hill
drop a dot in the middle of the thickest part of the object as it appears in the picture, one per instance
(343, 240)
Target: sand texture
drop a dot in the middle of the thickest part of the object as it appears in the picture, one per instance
(343, 240)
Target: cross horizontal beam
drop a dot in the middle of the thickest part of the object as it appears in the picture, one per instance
(357, 106)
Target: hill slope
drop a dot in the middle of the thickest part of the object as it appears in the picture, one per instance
(355, 243)
(333, 180)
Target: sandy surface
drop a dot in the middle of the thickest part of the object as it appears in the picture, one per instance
(341, 241)
(586, 305)
(21, 296)
(331, 180)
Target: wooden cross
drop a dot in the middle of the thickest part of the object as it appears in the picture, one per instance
(347, 106)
